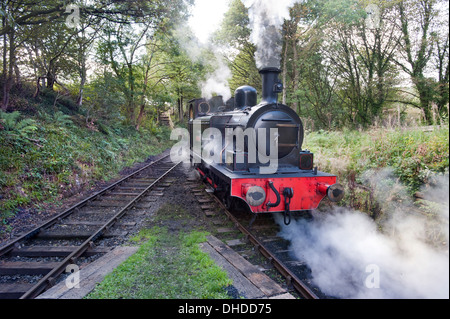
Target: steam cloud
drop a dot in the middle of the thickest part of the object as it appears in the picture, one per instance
(266, 21)
(217, 81)
(344, 247)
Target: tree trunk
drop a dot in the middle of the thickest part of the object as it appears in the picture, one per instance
(140, 117)
(131, 102)
(83, 76)
(296, 104)
(285, 72)
(81, 92)
(9, 77)
(180, 106)
(50, 77)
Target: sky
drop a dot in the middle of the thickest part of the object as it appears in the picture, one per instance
(207, 16)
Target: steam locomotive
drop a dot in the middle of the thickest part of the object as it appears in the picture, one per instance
(257, 152)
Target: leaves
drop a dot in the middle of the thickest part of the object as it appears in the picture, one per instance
(14, 125)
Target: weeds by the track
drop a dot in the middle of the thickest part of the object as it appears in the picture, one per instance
(165, 267)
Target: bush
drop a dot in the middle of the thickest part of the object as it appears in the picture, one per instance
(413, 156)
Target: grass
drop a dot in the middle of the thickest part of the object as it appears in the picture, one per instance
(165, 267)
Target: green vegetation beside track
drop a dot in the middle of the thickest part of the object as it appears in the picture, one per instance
(363, 161)
(168, 265)
(46, 158)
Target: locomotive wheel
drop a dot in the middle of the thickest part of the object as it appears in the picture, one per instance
(228, 202)
(227, 199)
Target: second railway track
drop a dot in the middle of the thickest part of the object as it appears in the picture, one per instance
(34, 261)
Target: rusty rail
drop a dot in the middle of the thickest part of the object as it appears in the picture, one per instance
(49, 279)
(291, 278)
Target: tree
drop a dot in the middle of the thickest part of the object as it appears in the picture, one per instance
(184, 76)
(442, 67)
(234, 33)
(16, 17)
(119, 48)
(337, 64)
(21, 19)
(297, 34)
(123, 49)
(416, 18)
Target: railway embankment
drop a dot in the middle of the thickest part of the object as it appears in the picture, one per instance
(48, 160)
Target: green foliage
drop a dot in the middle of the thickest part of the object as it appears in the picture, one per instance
(42, 159)
(16, 126)
(58, 119)
(413, 155)
(235, 33)
(235, 29)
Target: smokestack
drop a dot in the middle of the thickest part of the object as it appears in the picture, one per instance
(271, 85)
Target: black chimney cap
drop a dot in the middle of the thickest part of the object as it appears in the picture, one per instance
(271, 85)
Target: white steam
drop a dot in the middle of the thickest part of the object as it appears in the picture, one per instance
(217, 82)
(351, 258)
(266, 21)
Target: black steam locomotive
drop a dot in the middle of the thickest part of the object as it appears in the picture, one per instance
(258, 152)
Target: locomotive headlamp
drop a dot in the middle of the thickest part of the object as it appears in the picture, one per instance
(278, 87)
(255, 195)
(334, 192)
(306, 161)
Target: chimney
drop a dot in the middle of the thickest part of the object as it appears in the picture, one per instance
(271, 85)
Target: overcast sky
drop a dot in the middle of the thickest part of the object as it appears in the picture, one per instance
(207, 16)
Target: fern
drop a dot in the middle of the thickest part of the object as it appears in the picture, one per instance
(58, 118)
(62, 119)
(9, 120)
(14, 125)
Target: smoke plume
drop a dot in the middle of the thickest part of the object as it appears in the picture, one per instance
(266, 21)
(350, 257)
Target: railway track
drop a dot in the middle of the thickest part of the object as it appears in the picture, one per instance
(36, 260)
(259, 241)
